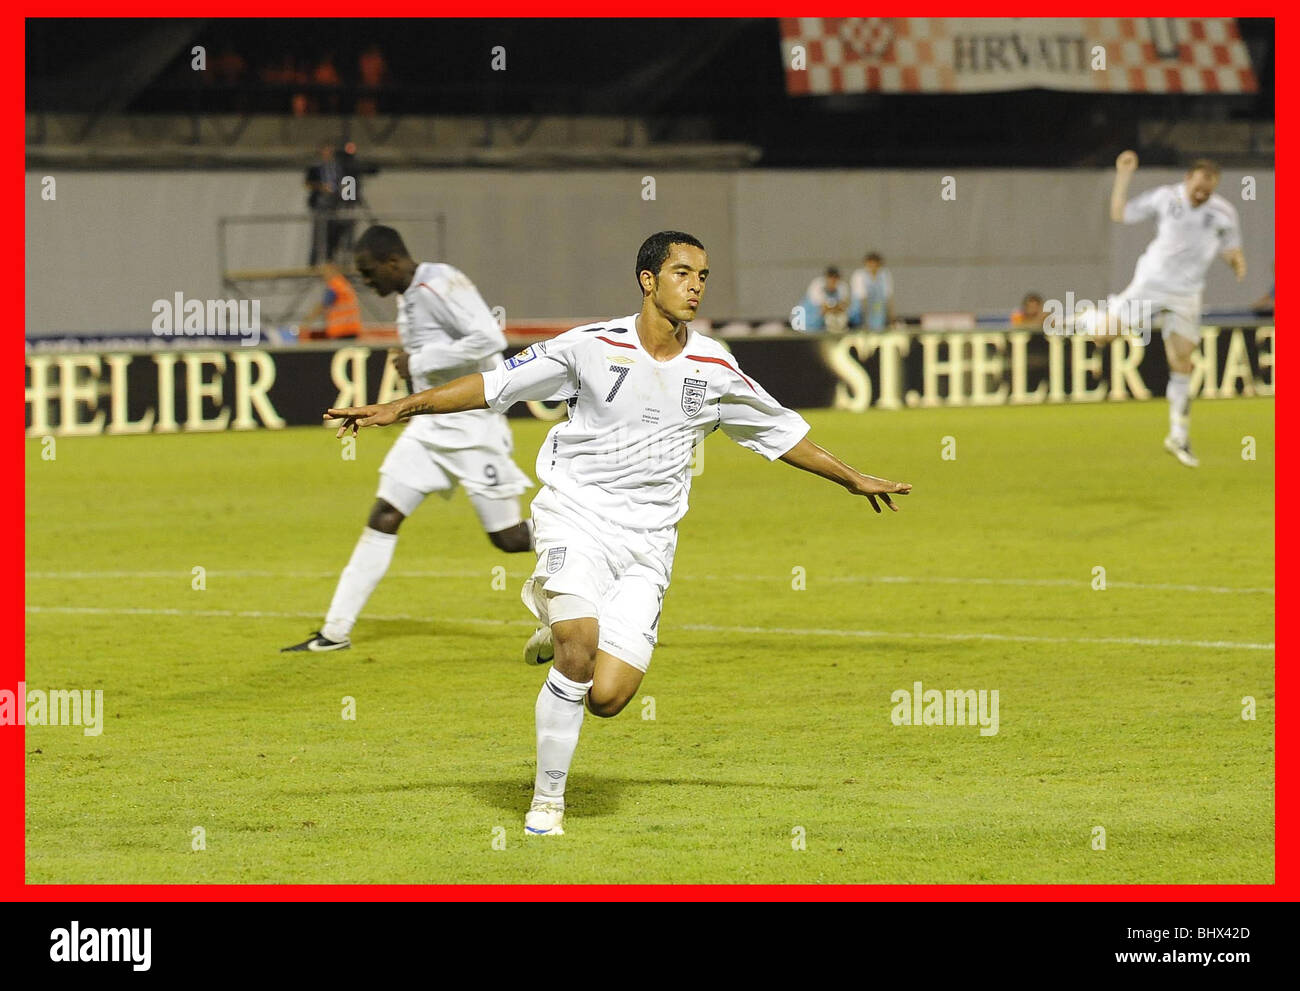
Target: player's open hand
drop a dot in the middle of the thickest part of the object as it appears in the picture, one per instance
(1127, 162)
(362, 416)
(880, 489)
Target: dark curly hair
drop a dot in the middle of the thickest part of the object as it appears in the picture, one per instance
(655, 248)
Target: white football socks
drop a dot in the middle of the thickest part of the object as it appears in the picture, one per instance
(1179, 406)
(369, 561)
(559, 720)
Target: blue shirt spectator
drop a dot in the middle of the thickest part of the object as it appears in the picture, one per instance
(872, 289)
(825, 305)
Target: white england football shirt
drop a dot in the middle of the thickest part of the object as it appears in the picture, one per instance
(624, 454)
(1187, 240)
(448, 331)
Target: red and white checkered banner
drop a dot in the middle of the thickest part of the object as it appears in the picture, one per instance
(970, 54)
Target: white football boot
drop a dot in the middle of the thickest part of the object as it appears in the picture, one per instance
(544, 819)
(540, 648)
(317, 642)
(1183, 452)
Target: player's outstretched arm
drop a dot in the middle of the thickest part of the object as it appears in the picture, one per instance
(464, 393)
(1125, 166)
(1237, 261)
(819, 461)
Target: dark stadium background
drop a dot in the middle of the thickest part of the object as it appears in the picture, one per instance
(702, 78)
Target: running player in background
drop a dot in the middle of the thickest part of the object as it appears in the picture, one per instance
(643, 390)
(446, 331)
(1193, 226)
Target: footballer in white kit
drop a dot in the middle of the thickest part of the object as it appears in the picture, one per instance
(617, 472)
(446, 331)
(642, 390)
(1194, 225)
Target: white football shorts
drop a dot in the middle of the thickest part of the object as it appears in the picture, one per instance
(414, 468)
(1181, 311)
(624, 573)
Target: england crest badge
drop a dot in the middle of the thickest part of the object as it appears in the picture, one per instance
(693, 396)
(555, 559)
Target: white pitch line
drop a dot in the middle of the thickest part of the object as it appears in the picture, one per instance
(264, 614)
(1065, 582)
(1007, 637)
(694, 627)
(1084, 583)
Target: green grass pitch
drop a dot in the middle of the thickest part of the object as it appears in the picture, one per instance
(771, 755)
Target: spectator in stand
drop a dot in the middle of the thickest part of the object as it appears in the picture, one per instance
(872, 290)
(275, 76)
(348, 167)
(350, 199)
(325, 78)
(1030, 315)
(287, 76)
(228, 70)
(372, 71)
(229, 67)
(301, 102)
(825, 306)
(323, 202)
(339, 306)
(1264, 305)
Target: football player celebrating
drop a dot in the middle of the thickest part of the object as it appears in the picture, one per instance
(446, 331)
(643, 390)
(1193, 225)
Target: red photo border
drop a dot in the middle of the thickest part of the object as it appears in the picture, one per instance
(12, 566)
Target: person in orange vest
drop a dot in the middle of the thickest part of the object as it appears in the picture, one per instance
(339, 306)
